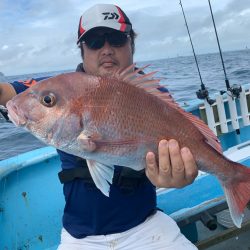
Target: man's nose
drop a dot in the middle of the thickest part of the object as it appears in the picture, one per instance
(107, 49)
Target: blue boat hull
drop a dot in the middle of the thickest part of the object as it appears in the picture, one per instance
(31, 201)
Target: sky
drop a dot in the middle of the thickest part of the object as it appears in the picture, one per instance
(40, 35)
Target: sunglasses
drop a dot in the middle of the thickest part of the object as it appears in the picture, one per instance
(96, 41)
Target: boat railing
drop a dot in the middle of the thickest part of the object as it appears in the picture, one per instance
(227, 113)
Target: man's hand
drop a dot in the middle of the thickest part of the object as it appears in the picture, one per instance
(177, 167)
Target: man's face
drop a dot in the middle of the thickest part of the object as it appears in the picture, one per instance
(108, 58)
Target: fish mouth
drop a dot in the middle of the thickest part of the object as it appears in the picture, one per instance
(15, 115)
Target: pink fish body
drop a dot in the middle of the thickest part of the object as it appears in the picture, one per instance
(115, 121)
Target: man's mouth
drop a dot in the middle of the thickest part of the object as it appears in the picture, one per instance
(15, 115)
(107, 62)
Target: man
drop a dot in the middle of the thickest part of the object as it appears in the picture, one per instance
(128, 219)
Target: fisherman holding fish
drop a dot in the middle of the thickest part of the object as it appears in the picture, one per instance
(100, 215)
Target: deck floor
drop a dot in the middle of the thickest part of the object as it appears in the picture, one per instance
(240, 242)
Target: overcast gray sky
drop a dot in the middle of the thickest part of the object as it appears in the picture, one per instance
(40, 35)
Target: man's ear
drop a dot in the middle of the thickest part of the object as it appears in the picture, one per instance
(82, 50)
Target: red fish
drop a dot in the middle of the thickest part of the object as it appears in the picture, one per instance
(116, 120)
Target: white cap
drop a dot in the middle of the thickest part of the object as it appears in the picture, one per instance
(103, 15)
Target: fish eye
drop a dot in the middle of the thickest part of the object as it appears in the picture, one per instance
(48, 100)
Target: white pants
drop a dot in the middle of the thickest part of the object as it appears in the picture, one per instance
(159, 231)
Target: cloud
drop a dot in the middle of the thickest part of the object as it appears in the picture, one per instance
(5, 47)
(171, 38)
(41, 35)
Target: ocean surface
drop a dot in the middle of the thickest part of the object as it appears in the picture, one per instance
(178, 74)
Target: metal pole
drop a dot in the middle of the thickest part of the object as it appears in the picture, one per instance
(202, 85)
(218, 42)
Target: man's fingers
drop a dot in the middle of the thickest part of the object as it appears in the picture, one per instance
(178, 169)
(152, 168)
(164, 160)
(191, 170)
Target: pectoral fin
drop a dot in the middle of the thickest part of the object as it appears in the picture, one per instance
(102, 175)
(86, 142)
(87, 138)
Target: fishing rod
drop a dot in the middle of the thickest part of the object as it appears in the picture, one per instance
(235, 90)
(203, 92)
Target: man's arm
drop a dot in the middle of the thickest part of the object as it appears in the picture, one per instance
(7, 91)
(177, 167)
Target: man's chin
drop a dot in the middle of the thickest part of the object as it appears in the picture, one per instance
(108, 69)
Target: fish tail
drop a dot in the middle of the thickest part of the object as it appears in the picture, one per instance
(237, 194)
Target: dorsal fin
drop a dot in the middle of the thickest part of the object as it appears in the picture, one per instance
(151, 85)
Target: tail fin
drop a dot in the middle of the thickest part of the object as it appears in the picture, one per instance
(237, 194)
